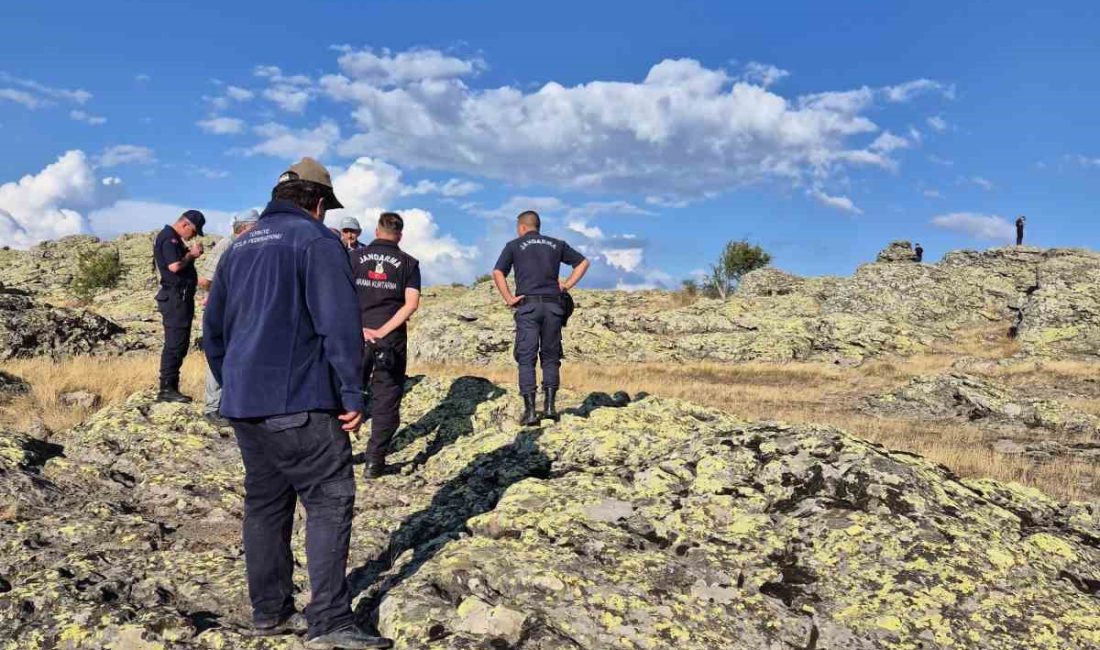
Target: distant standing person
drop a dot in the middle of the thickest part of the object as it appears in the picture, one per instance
(538, 306)
(387, 280)
(242, 223)
(919, 250)
(176, 298)
(283, 340)
(349, 233)
(1021, 221)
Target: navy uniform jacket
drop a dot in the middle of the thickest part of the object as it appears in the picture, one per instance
(382, 272)
(169, 249)
(280, 330)
(537, 260)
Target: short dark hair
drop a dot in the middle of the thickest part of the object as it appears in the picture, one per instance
(391, 222)
(304, 194)
(530, 218)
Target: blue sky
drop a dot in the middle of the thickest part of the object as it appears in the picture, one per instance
(647, 133)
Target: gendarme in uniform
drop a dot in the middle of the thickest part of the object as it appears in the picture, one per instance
(537, 261)
(383, 273)
(176, 298)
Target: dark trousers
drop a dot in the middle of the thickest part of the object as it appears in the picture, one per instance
(1019, 236)
(386, 378)
(177, 309)
(538, 336)
(303, 456)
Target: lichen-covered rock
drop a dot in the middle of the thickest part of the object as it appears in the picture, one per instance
(29, 328)
(10, 386)
(897, 251)
(644, 524)
(971, 398)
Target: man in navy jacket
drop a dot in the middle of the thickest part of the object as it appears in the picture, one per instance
(282, 337)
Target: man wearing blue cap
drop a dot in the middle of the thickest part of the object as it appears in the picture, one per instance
(242, 223)
(176, 298)
(349, 233)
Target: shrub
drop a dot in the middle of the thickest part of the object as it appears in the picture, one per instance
(99, 268)
(738, 258)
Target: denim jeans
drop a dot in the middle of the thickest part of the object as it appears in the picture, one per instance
(213, 395)
(303, 456)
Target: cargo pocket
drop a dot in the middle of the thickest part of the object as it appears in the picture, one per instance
(338, 501)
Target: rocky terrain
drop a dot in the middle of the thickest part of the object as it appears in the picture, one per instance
(1048, 298)
(632, 523)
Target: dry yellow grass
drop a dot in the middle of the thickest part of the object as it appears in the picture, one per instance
(810, 393)
(112, 378)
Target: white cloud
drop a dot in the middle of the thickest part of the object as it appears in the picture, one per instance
(937, 123)
(983, 183)
(978, 226)
(1084, 161)
(142, 78)
(932, 194)
(941, 161)
(763, 74)
(24, 98)
(49, 204)
(453, 188)
(81, 116)
(369, 186)
(221, 125)
(124, 154)
(388, 69)
(138, 216)
(842, 203)
(905, 92)
(683, 131)
(887, 142)
(288, 98)
(281, 141)
(35, 94)
(239, 94)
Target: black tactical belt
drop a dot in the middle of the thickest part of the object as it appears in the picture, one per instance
(542, 299)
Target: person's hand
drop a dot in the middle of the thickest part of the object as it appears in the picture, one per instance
(370, 335)
(205, 299)
(196, 250)
(562, 286)
(514, 301)
(351, 420)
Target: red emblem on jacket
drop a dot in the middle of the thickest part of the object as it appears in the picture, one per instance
(379, 273)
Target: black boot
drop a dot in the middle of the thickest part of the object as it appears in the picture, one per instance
(351, 637)
(550, 394)
(530, 416)
(375, 468)
(170, 392)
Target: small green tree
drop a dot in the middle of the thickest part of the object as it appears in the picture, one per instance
(98, 268)
(737, 259)
(485, 277)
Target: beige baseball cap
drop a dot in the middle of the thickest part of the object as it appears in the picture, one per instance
(308, 169)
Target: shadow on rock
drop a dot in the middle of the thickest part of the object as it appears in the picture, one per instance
(450, 420)
(474, 491)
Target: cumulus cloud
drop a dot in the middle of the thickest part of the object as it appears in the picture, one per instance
(937, 123)
(126, 154)
(239, 94)
(87, 118)
(978, 226)
(21, 97)
(888, 142)
(388, 69)
(291, 93)
(683, 131)
(129, 215)
(763, 74)
(281, 141)
(369, 186)
(221, 125)
(49, 204)
(842, 203)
